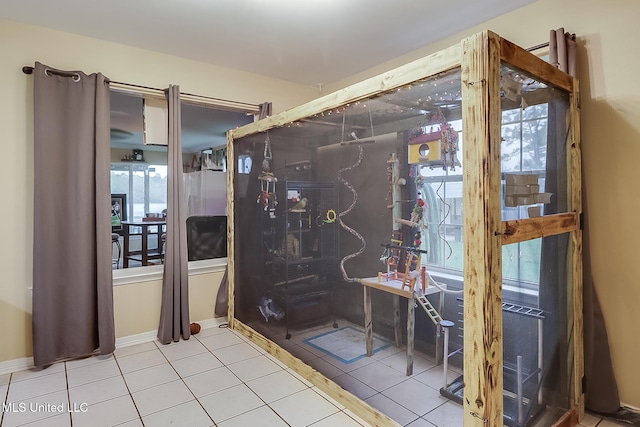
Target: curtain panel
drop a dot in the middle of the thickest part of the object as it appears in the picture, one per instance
(601, 391)
(72, 276)
(174, 311)
(264, 110)
(562, 51)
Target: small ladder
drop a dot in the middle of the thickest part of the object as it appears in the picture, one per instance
(442, 325)
(395, 253)
(428, 308)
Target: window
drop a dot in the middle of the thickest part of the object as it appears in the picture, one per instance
(523, 149)
(442, 194)
(145, 186)
(139, 172)
(244, 163)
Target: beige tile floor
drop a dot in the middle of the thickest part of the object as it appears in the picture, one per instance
(380, 380)
(219, 378)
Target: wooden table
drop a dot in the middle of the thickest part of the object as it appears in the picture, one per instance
(394, 287)
(143, 255)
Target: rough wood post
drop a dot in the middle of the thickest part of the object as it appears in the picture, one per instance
(575, 191)
(411, 322)
(231, 168)
(368, 327)
(483, 343)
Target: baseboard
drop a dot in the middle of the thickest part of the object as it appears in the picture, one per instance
(633, 408)
(15, 365)
(136, 339)
(212, 323)
(152, 335)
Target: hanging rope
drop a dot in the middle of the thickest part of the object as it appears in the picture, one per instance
(267, 156)
(447, 208)
(343, 213)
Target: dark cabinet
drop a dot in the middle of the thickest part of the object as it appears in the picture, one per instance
(300, 244)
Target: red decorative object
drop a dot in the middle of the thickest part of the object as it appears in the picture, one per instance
(195, 328)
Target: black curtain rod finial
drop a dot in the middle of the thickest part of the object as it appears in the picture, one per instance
(27, 70)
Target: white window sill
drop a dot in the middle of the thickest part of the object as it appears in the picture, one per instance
(456, 280)
(126, 276)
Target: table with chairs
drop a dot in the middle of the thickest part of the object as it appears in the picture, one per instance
(146, 228)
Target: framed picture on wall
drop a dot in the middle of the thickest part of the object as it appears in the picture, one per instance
(118, 211)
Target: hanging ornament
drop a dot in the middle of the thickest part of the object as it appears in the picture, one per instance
(417, 239)
(417, 212)
(267, 196)
(449, 141)
(268, 156)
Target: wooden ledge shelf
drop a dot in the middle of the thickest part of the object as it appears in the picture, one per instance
(521, 230)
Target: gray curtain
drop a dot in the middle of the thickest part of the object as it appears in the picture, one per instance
(72, 281)
(562, 51)
(553, 265)
(174, 312)
(264, 110)
(601, 391)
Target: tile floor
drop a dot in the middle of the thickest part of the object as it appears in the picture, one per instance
(219, 378)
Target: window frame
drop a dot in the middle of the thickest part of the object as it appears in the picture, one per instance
(520, 290)
(155, 272)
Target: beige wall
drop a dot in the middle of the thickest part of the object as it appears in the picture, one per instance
(610, 123)
(136, 305)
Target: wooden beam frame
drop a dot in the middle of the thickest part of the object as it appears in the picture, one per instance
(543, 71)
(231, 226)
(434, 64)
(575, 193)
(569, 419)
(522, 230)
(480, 58)
(430, 65)
(483, 341)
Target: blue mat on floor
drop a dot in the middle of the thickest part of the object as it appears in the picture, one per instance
(346, 344)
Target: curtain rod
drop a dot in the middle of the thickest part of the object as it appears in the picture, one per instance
(538, 46)
(256, 107)
(75, 76)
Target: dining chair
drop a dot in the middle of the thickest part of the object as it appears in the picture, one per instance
(115, 240)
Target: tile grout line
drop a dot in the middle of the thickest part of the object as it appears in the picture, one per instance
(242, 382)
(128, 389)
(184, 382)
(6, 397)
(66, 381)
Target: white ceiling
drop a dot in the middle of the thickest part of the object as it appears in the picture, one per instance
(309, 42)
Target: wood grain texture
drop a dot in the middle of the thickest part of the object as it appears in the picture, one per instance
(231, 169)
(521, 230)
(373, 283)
(569, 419)
(543, 71)
(483, 341)
(368, 325)
(351, 402)
(438, 62)
(411, 322)
(576, 244)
